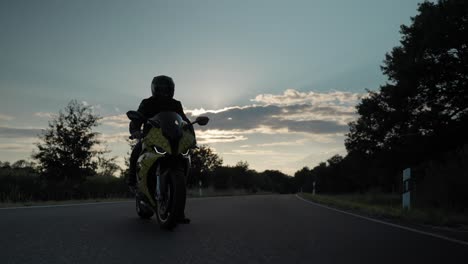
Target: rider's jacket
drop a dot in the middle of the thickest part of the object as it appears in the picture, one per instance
(151, 106)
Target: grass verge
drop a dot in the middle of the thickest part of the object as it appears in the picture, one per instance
(389, 207)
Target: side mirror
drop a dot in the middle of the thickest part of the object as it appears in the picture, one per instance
(136, 116)
(202, 120)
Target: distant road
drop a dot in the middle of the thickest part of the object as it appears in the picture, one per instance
(243, 229)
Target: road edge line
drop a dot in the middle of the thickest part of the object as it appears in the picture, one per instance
(60, 205)
(387, 223)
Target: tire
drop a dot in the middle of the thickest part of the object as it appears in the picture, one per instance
(177, 197)
(143, 211)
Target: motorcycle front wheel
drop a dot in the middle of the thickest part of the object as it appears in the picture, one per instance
(143, 211)
(171, 208)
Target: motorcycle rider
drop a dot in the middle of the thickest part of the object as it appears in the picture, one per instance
(162, 89)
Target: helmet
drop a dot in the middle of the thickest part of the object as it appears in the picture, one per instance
(162, 86)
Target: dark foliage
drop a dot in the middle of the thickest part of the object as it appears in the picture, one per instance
(420, 114)
(65, 154)
(21, 182)
(423, 110)
(204, 162)
(241, 177)
(18, 182)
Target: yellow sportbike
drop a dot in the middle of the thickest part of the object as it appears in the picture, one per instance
(163, 166)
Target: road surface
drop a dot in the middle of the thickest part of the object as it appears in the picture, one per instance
(244, 229)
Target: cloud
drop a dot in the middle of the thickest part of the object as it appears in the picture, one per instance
(45, 114)
(340, 114)
(114, 138)
(218, 136)
(16, 147)
(257, 152)
(25, 145)
(283, 143)
(276, 119)
(4, 117)
(12, 132)
(293, 97)
(199, 111)
(115, 121)
(290, 112)
(311, 116)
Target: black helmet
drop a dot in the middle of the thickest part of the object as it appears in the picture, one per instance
(162, 86)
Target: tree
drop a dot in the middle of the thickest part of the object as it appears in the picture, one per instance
(107, 166)
(303, 180)
(423, 108)
(243, 177)
(335, 160)
(279, 182)
(5, 164)
(204, 161)
(125, 173)
(66, 153)
(21, 164)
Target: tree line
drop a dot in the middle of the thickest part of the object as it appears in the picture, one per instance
(417, 120)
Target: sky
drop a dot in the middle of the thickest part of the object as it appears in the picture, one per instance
(278, 79)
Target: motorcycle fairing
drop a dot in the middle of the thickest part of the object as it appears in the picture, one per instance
(150, 157)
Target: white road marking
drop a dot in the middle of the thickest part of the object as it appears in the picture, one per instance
(387, 223)
(61, 205)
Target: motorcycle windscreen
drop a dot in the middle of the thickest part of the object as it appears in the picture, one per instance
(171, 125)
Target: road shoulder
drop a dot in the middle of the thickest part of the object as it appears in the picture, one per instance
(453, 235)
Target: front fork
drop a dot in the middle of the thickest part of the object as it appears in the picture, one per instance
(161, 178)
(160, 184)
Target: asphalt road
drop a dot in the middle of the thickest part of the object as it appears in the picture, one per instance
(247, 229)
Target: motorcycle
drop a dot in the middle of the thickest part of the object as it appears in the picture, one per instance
(163, 166)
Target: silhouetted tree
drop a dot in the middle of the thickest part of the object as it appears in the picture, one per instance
(303, 180)
(107, 166)
(21, 164)
(426, 98)
(124, 172)
(18, 182)
(279, 182)
(204, 162)
(66, 153)
(423, 110)
(5, 164)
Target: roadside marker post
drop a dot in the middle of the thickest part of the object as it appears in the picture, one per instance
(313, 190)
(406, 196)
(199, 187)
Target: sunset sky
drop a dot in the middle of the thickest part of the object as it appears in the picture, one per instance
(279, 79)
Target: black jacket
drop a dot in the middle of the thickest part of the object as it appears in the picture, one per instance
(151, 106)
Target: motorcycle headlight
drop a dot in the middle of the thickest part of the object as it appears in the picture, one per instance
(159, 150)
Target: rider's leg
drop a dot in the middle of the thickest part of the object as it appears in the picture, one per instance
(133, 160)
(183, 219)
